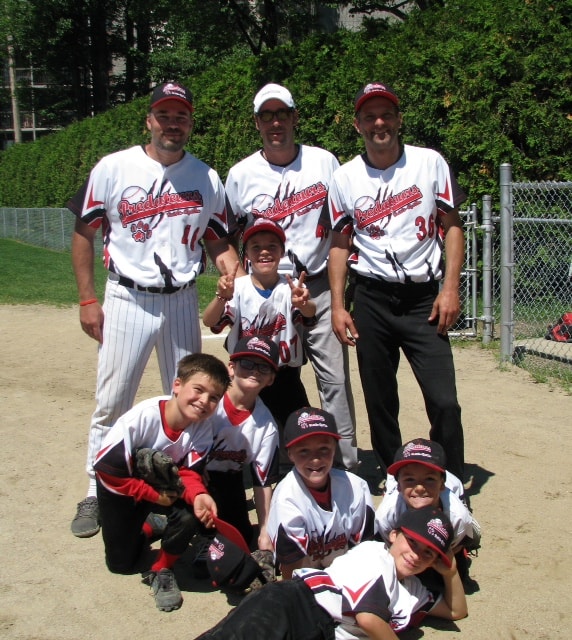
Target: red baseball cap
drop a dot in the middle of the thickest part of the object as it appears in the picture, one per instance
(375, 90)
(263, 224)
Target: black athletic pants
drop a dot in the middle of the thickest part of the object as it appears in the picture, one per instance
(122, 520)
(393, 317)
(285, 610)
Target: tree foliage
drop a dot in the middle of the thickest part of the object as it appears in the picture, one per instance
(483, 81)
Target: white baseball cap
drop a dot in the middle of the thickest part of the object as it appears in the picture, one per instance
(273, 92)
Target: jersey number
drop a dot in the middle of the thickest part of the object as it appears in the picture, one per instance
(421, 225)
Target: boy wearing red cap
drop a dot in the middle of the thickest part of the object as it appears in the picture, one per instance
(269, 304)
(370, 592)
(317, 512)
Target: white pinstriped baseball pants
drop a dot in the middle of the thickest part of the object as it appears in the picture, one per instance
(135, 323)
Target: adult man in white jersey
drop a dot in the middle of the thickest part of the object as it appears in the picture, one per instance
(157, 205)
(288, 183)
(395, 208)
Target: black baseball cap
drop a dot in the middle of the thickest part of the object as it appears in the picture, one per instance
(421, 451)
(259, 225)
(309, 421)
(429, 526)
(375, 90)
(257, 347)
(172, 91)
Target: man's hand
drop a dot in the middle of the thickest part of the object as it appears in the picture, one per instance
(91, 320)
(446, 309)
(344, 327)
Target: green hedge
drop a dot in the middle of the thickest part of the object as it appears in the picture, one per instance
(483, 81)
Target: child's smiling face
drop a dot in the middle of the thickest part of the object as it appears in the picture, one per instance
(420, 485)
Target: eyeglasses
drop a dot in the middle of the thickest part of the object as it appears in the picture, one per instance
(250, 365)
(269, 116)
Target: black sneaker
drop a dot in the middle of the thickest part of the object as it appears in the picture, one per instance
(86, 521)
(167, 595)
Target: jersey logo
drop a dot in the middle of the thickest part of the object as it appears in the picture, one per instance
(321, 546)
(296, 203)
(368, 210)
(136, 204)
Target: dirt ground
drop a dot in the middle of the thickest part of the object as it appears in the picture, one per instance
(56, 586)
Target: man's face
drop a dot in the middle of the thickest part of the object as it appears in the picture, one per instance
(313, 458)
(278, 132)
(170, 124)
(378, 122)
(419, 485)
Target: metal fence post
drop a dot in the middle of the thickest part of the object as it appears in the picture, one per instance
(487, 317)
(507, 262)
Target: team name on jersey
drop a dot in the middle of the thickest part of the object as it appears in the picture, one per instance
(298, 203)
(393, 205)
(319, 547)
(149, 205)
(233, 456)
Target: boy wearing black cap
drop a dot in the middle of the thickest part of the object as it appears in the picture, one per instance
(370, 592)
(246, 434)
(317, 512)
(422, 481)
(266, 303)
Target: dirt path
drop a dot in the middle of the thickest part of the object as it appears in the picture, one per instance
(55, 586)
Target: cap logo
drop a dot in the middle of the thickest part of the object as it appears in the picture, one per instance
(416, 449)
(438, 530)
(171, 89)
(311, 421)
(256, 344)
(216, 549)
(375, 86)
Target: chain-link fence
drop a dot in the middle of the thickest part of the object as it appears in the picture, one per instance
(534, 273)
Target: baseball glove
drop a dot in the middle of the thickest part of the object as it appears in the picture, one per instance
(265, 560)
(158, 469)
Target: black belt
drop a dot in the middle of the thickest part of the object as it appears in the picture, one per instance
(398, 289)
(314, 276)
(130, 284)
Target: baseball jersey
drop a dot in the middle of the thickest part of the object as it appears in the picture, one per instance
(252, 441)
(295, 197)
(153, 217)
(393, 505)
(145, 426)
(298, 526)
(249, 313)
(394, 214)
(364, 581)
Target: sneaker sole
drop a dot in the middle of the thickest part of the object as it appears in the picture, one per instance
(86, 534)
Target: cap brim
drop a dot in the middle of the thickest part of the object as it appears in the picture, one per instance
(375, 94)
(336, 436)
(187, 104)
(428, 543)
(250, 354)
(231, 532)
(394, 468)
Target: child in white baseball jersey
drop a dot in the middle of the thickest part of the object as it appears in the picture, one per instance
(317, 512)
(180, 425)
(421, 481)
(370, 592)
(246, 434)
(266, 303)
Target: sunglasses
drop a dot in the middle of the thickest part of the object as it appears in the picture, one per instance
(250, 365)
(269, 116)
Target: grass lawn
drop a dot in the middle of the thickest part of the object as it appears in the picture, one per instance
(34, 275)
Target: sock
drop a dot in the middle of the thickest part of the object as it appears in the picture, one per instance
(164, 561)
